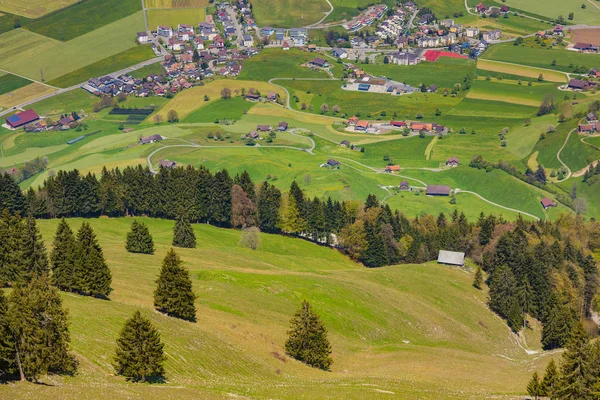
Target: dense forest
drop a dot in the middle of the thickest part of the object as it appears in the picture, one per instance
(540, 269)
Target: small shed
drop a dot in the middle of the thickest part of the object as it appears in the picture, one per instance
(451, 258)
(438, 190)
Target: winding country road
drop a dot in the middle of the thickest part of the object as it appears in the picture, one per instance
(561, 149)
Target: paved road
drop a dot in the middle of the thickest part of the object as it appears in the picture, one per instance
(63, 90)
(236, 23)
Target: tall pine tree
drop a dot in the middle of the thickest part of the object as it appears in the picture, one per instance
(139, 239)
(550, 381)
(92, 275)
(34, 257)
(139, 354)
(39, 325)
(7, 346)
(174, 295)
(183, 233)
(62, 257)
(307, 339)
(576, 378)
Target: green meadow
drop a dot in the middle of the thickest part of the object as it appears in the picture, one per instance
(287, 14)
(232, 109)
(9, 82)
(553, 8)
(175, 16)
(395, 331)
(277, 63)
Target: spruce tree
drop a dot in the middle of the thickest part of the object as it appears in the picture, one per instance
(39, 325)
(503, 297)
(307, 339)
(478, 279)
(550, 381)
(534, 387)
(139, 354)
(33, 257)
(576, 378)
(139, 239)
(7, 346)
(92, 275)
(174, 295)
(62, 257)
(183, 234)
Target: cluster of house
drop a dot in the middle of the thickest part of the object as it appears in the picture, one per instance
(255, 134)
(415, 127)
(591, 124)
(483, 9)
(367, 17)
(30, 121)
(580, 85)
(286, 38)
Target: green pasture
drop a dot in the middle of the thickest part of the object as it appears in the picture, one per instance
(522, 139)
(30, 54)
(233, 109)
(124, 59)
(395, 331)
(277, 63)
(577, 154)
(491, 109)
(445, 72)
(83, 18)
(287, 13)
(511, 92)
(175, 16)
(143, 72)
(540, 57)
(549, 147)
(553, 8)
(9, 82)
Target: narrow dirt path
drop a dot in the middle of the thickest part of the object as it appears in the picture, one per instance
(316, 24)
(561, 149)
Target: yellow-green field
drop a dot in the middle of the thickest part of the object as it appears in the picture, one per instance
(522, 70)
(33, 8)
(175, 16)
(26, 53)
(26, 93)
(193, 99)
(176, 3)
(402, 332)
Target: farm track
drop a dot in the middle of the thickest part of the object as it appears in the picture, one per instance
(558, 155)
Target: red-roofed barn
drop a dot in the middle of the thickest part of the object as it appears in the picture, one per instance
(23, 118)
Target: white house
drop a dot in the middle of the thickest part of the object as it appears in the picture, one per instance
(199, 43)
(248, 41)
(142, 37)
(339, 53)
(472, 32)
(164, 31)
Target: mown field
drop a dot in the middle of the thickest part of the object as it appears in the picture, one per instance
(540, 57)
(232, 109)
(27, 53)
(395, 331)
(23, 94)
(33, 8)
(175, 16)
(445, 72)
(10, 82)
(84, 17)
(287, 14)
(277, 63)
(124, 59)
(510, 91)
(553, 8)
(520, 71)
(176, 3)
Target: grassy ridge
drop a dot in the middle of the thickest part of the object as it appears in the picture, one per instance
(10, 82)
(110, 64)
(83, 17)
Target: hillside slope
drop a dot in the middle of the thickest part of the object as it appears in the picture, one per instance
(411, 331)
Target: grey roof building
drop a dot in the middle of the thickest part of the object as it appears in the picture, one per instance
(451, 258)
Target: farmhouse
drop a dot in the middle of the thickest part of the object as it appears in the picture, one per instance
(404, 185)
(591, 117)
(452, 162)
(589, 128)
(547, 203)
(142, 37)
(283, 126)
(392, 168)
(437, 190)
(451, 258)
(579, 85)
(352, 120)
(22, 118)
(594, 73)
(150, 139)
(253, 135)
(167, 164)
(339, 53)
(398, 124)
(252, 96)
(345, 143)
(263, 128)
(361, 126)
(585, 47)
(481, 8)
(319, 62)
(332, 163)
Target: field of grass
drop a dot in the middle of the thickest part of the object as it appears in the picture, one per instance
(26, 53)
(549, 147)
(554, 8)
(9, 83)
(276, 63)
(124, 59)
(359, 103)
(444, 73)
(176, 3)
(84, 17)
(24, 94)
(540, 57)
(444, 8)
(522, 139)
(520, 70)
(577, 154)
(287, 14)
(510, 91)
(175, 16)
(489, 108)
(193, 99)
(412, 331)
(233, 108)
(143, 72)
(33, 8)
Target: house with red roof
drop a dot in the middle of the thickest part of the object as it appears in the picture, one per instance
(481, 8)
(392, 168)
(352, 120)
(361, 125)
(22, 118)
(547, 203)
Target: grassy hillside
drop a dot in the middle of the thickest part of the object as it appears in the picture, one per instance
(411, 331)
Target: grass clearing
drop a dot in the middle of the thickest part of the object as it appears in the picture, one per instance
(33, 8)
(522, 139)
(277, 63)
(510, 91)
(193, 99)
(24, 94)
(26, 53)
(124, 59)
(143, 72)
(488, 108)
(84, 17)
(175, 16)
(529, 72)
(9, 83)
(232, 109)
(553, 8)
(287, 14)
